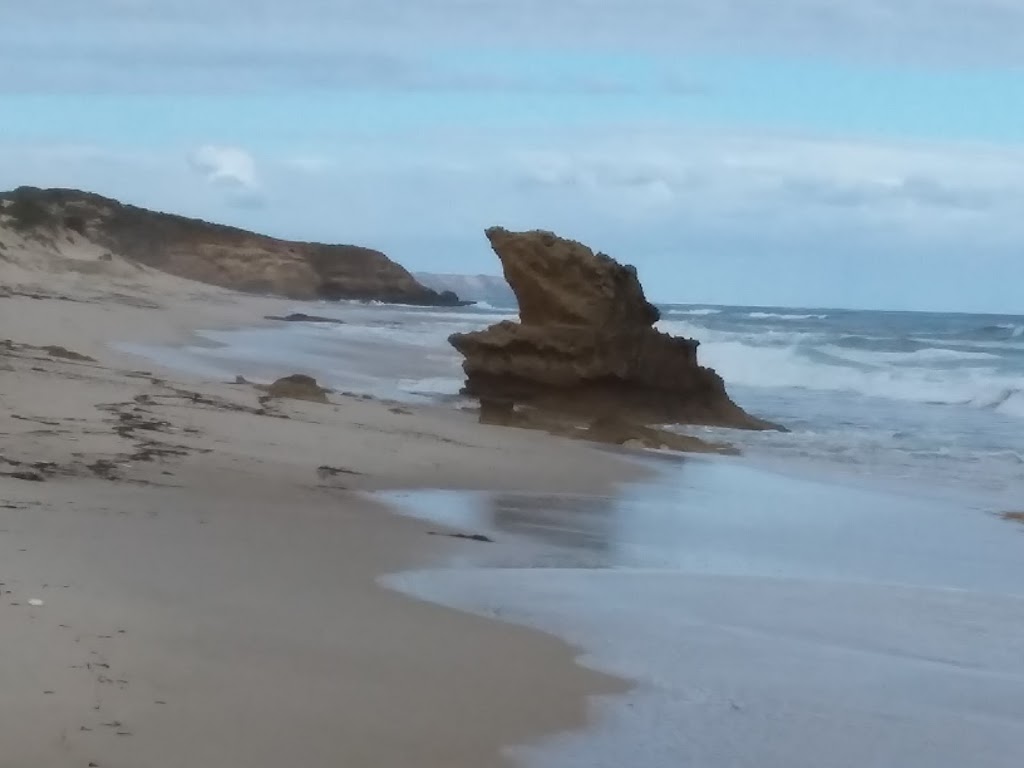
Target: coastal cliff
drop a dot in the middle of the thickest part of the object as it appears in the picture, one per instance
(489, 289)
(212, 253)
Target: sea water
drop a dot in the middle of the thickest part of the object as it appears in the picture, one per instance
(932, 399)
(767, 620)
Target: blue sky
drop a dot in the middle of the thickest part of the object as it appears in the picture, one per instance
(803, 152)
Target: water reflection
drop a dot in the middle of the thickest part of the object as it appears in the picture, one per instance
(726, 517)
(585, 523)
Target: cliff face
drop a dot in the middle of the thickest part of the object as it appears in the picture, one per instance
(585, 345)
(220, 255)
(489, 288)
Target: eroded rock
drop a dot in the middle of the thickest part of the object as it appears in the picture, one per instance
(298, 387)
(586, 345)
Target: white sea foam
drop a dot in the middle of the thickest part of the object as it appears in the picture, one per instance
(420, 335)
(789, 368)
(700, 312)
(1016, 330)
(786, 361)
(1008, 401)
(432, 386)
(482, 319)
(783, 316)
(917, 357)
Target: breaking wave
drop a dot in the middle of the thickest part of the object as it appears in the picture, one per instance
(773, 359)
(783, 316)
(696, 312)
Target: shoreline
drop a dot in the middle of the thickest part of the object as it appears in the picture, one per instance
(882, 628)
(219, 586)
(850, 447)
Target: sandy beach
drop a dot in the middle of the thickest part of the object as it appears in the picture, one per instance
(188, 570)
(195, 572)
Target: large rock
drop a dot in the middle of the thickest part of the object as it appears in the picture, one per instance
(298, 386)
(212, 253)
(586, 343)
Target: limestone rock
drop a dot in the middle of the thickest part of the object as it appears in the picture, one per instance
(562, 282)
(298, 387)
(586, 344)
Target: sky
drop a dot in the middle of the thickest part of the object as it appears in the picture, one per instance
(846, 153)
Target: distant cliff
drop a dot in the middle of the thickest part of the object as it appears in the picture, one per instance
(216, 254)
(493, 290)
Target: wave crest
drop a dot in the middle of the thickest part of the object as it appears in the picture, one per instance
(809, 361)
(783, 316)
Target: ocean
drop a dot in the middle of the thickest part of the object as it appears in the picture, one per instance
(924, 400)
(842, 595)
(927, 402)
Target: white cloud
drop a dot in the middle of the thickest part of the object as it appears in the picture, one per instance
(920, 184)
(227, 166)
(232, 172)
(451, 181)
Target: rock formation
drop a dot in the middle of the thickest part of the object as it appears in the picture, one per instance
(298, 386)
(211, 253)
(586, 344)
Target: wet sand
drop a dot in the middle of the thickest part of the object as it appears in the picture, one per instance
(769, 621)
(207, 560)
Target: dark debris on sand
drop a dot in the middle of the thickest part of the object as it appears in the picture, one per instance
(467, 536)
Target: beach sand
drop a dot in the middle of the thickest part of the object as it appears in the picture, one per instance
(207, 561)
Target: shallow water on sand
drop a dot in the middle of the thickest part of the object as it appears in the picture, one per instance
(725, 516)
(916, 399)
(768, 620)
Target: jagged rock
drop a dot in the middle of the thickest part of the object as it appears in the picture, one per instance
(212, 253)
(585, 344)
(562, 282)
(298, 387)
